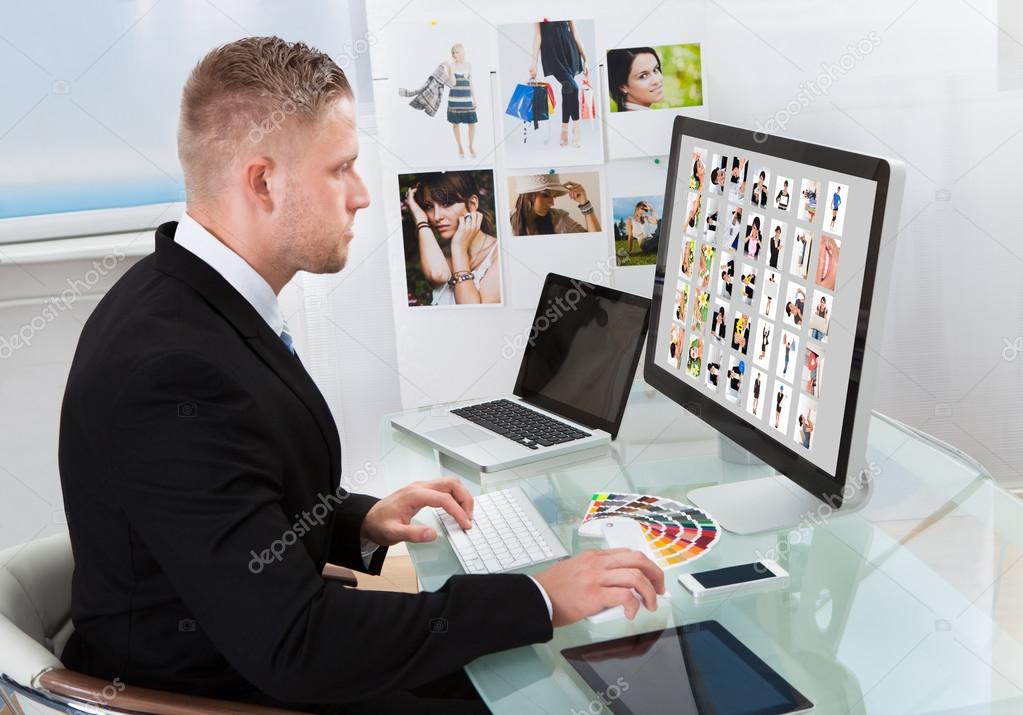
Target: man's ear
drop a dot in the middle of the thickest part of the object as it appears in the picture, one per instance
(261, 181)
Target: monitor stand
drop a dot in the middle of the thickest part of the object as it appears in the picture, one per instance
(754, 505)
(774, 503)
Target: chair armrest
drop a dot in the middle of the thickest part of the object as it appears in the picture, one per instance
(346, 577)
(85, 688)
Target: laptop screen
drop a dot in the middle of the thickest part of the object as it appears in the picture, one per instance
(582, 350)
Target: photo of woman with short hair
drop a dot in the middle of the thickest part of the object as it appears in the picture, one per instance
(461, 99)
(451, 251)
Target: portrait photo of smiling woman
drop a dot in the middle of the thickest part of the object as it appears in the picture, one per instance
(661, 77)
(450, 240)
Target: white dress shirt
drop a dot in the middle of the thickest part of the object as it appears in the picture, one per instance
(246, 280)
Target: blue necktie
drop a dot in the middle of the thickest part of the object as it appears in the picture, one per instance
(287, 339)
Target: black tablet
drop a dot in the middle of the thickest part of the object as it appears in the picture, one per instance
(699, 669)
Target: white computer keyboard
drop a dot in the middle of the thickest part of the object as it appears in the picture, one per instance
(507, 534)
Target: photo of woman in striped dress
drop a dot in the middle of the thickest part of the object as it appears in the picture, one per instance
(461, 99)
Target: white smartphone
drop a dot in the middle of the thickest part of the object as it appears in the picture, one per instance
(732, 578)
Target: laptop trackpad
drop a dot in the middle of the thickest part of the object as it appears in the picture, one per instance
(461, 435)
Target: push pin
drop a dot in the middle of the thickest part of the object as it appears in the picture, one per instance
(551, 171)
(433, 23)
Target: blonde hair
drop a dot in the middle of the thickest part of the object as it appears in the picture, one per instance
(244, 92)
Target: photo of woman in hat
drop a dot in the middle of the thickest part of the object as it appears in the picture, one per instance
(534, 213)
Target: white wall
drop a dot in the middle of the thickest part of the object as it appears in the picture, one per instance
(941, 91)
(43, 305)
(936, 84)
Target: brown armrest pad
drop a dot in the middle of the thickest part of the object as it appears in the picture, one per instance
(85, 688)
(346, 577)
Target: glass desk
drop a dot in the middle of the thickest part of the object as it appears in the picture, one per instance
(914, 604)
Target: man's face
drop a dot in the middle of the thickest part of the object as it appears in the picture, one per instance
(323, 191)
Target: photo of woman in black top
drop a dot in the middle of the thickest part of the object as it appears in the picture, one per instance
(774, 247)
(557, 46)
(759, 195)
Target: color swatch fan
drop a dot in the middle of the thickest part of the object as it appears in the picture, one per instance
(669, 532)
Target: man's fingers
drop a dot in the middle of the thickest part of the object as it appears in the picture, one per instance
(415, 533)
(636, 579)
(435, 498)
(632, 559)
(454, 487)
(617, 596)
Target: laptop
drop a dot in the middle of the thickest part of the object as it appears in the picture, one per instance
(579, 360)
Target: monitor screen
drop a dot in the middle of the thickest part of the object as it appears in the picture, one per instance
(765, 268)
(582, 351)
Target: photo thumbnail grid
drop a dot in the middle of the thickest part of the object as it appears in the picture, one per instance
(753, 300)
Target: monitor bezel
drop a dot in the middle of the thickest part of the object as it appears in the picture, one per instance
(569, 411)
(827, 487)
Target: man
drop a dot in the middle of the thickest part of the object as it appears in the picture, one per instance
(192, 439)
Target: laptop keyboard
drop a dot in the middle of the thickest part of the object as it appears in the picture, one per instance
(520, 424)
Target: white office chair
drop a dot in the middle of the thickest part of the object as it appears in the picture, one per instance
(35, 624)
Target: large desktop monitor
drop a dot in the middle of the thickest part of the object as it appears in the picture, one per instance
(769, 295)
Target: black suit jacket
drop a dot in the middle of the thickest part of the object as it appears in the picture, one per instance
(194, 448)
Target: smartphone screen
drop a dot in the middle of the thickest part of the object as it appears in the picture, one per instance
(733, 574)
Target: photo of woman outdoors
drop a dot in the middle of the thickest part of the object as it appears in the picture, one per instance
(533, 197)
(662, 77)
(636, 229)
(450, 238)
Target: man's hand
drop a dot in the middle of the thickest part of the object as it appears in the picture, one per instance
(388, 522)
(594, 580)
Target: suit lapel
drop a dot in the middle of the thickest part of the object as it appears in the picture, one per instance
(182, 264)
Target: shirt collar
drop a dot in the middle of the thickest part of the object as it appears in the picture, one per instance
(240, 275)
